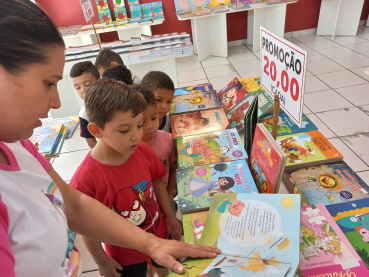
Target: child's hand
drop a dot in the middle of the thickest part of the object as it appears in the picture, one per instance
(174, 228)
(109, 268)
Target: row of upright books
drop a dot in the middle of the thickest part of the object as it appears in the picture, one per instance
(219, 181)
(50, 137)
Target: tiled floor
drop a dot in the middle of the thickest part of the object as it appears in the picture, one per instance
(336, 99)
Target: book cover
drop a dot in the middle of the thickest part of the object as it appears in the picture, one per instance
(353, 220)
(46, 136)
(286, 126)
(136, 11)
(194, 89)
(324, 249)
(193, 267)
(70, 122)
(197, 185)
(59, 144)
(147, 10)
(261, 227)
(119, 10)
(194, 102)
(133, 2)
(157, 9)
(213, 3)
(182, 6)
(193, 225)
(265, 161)
(199, 4)
(232, 95)
(213, 147)
(327, 183)
(103, 10)
(309, 148)
(237, 114)
(199, 122)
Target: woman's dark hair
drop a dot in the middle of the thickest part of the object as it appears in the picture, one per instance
(229, 185)
(25, 32)
(119, 73)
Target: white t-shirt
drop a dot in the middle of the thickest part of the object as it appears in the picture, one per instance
(40, 240)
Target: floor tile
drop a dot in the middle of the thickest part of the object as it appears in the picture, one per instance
(358, 143)
(308, 38)
(214, 61)
(357, 95)
(306, 110)
(321, 44)
(75, 143)
(336, 52)
(238, 49)
(218, 71)
(362, 29)
(247, 66)
(315, 56)
(243, 56)
(257, 54)
(220, 82)
(189, 65)
(304, 47)
(348, 40)
(314, 84)
(364, 35)
(324, 129)
(349, 156)
(250, 74)
(191, 75)
(359, 47)
(193, 83)
(341, 79)
(66, 164)
(324, 66)
(346, 121)
(364, 175)
(86, 259)
(365, 109)
(328, 100)
(186, 59)
(360, 71)
(308, 73)
(353, 61)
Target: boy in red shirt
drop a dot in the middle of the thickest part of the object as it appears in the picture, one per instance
(123, 174)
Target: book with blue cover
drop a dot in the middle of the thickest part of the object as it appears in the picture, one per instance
(194, 89)
(157, 10)
(147, 11)
(59, 144)
(46, 136)
(197, 185)
(136, 11)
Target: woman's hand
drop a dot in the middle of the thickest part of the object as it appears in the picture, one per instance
(109, 268)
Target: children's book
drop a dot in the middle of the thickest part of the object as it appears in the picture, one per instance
(136, 11)
(308, 149)
(103, 10)
(147, 11)
(70, 122)
(214, 3)
(327, 183)
(213, 147)
(236, 115)
(262, 229)
(267, 161)
(194, 89)
(286, 126)
(232, 95)
(199, 5)
(353, 220)
(193, 268)
(157, 10)
(182, 7)
(199, 122)
(197, 185)
(193, 225)
(251, 119)
(324, 249)
(59, 144)
(133, 2)
(120, 13)
(46, 136)
(194, 102)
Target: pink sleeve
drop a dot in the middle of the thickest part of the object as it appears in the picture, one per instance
(33, 150)
(7, 262)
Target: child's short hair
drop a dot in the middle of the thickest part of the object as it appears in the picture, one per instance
(82, 67)
(119, 73)
(146, 93)
(157, 80)
(107, 96)
(105, 58)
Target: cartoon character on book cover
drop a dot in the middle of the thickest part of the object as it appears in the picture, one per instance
(197, 185)
(323, 247)
(182, 6)
(157, 9)
(262, 229)
(194, 89)
(232, 94)
(214, 147)
(353, 220)
(236, 116)
(195, 101)
(136, 11)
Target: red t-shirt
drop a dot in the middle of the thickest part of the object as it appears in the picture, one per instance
(127, 189)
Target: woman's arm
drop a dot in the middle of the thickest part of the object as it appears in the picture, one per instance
(93, 220)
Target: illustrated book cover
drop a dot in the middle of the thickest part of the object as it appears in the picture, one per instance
(46, 136)
(308, 149)
(197, 185)
(193, 225)
(326, 183)
(232, 95)
(70, 122)
(324, 249)
(136, 11)
(59, 144)
(199, 122)
(209, 148)
(194, 89)
(257, 233)
(192, 102)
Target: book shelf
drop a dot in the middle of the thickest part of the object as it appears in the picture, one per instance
(339, 17)
(209, 32)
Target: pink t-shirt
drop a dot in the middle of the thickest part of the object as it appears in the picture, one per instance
(163, 147)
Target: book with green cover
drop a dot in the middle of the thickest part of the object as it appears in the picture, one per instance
(193, 225)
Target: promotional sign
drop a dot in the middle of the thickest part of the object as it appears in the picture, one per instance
(87, 9)
(283, 70)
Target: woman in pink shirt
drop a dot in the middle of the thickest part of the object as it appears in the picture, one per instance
(39, 212)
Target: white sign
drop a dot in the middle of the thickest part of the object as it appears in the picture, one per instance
(283, 70)
(87, 9)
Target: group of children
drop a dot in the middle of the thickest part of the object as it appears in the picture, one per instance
(131, 167)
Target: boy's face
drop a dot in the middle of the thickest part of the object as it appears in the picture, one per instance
(81, 83)
(150, 123)
(164, 99)
(124, 132)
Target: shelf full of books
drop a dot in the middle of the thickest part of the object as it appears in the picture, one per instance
(229, 173)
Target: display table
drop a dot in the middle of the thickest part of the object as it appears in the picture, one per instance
(209, 32)
(339, 17)
(71, 103)
(124, 32)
